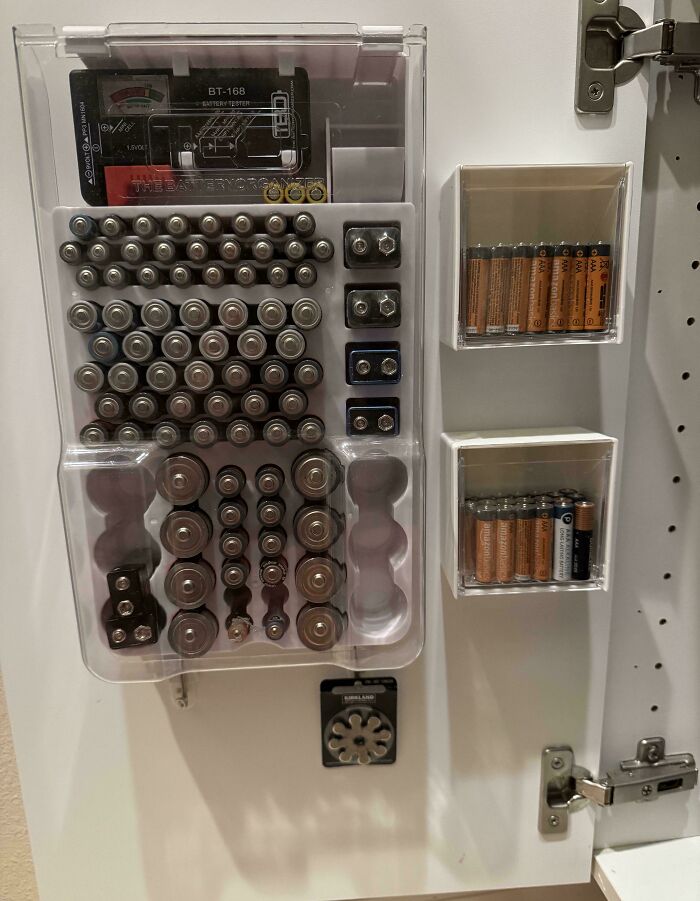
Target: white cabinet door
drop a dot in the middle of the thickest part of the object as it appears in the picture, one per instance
(128, 796)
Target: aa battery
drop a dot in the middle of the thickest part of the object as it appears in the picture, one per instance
(204, 433)
(485, 542)
(316, 474)
(167, 434)
(563, 539)
(478, 265)
(252, 344)
(524, 527)
(233, 314)
(162, 376)
(195, 315)
(274, 374)
(271, 313)
(310, 430)
(270, 511)
(255, 403)
(185, 533)
(542, 540)
(84, 316)
(94, 433)
(276, 432)
(519, 289)
(236, 375)
(231, 512)
(271, 542)
(138, 346)
(218, 404)
(110, 407)
(129, 433)
(157, 315)
(144, 407)
(182, 479)
(467, 537)
(540, 281)
(560, 288)
(584, 514)
(240, 433)
(273, 570)
(176, 346)
(199, 375)
(598, 288)
(292, 403)
(230, 481)
(505, 542)
(290, 344)
(90, 377)
(306, 313)
(269, 479)
(104, 347)
(308, 373)
(119, 315)
(181, 405)
(497, 292)
(214, 346)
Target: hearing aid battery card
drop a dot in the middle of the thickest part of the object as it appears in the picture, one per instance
(148, 136)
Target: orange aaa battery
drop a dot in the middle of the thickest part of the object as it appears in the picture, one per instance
(540, 279)
(598, 288)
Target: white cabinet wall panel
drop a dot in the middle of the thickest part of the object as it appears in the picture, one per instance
(129, 796)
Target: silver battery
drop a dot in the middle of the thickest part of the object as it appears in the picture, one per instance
(218, 404)
(271, 542)
(563, 539)
(177, 225)
(89, 377)
(290, 344)
(195, 314)
(233, 314)
(82, 226)
(104, 347)
(180, 275)
(308, 373)
(182, 405)
(99, 252)
(304, 224)
(234, 573)
(110, 407)
(306, 313)
(84, 316)
(274, 374)
(276, 432)
(176, 346)
(322, 250)
(252, 344)
(197, 250)
(276, 225)
(157, 315)
(88, 278)
(230, 481)
(167, 434)
(292, 403)
(231, 513)
(188, 583)
(271, 511)
(320, 626)
(144, 406)
(145, 226)
(236, 375)
(317, 528)
(204, 433)
(129, 433)
(148, 276)
(269, 479)
(255, 403)
(318, 578)
(310, 430)
(277, 275)
(315, 474)
(245, 275)
(138, 347)
(243, 225)
(164, 251)
(233, 542)
(214, 346)
(262, 250)
(213, 275)
(294, 249)
(240, 432)
(119, 315)
(271, 313)
(305, 275)
(193, 632)
(132, 252)
(230, 250)
(199, 375)
(115, 276)
(162, 376)
(185, 533)
(94, 433)
(71, 252)
(123, 377)
(209, 224)
(112, 226)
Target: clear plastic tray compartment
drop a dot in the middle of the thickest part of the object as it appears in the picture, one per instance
(537, 254)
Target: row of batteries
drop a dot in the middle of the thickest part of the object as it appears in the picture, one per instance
(541, 538)
(534, 289)
(186, 531)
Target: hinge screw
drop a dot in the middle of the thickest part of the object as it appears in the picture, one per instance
(595, 90)
(553, 821)
(647, 790)
(557, 763)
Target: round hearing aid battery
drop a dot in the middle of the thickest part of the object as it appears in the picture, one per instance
(180, 275)
(255, 403)
(195, 314)
(214, 346)
(104, 347)
(245, 275)
(294, 249)
(129, 433)
(234, 573)
(308, 373)
(199, 375)
(277, 275)
(304, 224)
(188, 583)
(115, 276)
(182, 479)
(317, 528)
(320, 627)
(269, 479)
(305, 275)
(229, 250)
(213, 275)
(290, 344)
(274, 374)
(209, 224)
(83, 227)
(306, 313)
(233, 542)
(310, 430)
(112, 226)
(94, 433)
(164, 251)
(232, 512)
(197, 250)
(271, 313)
(273, 570)
(218, 404)
(276, 432)
(315, 474)
(145, 227)
(119, 315)
(294, 192)
(193, 632)
(262, 250)
(123, 377)
(243, 225)
(138, 347)
(230, 481)
(176, 346)
(71, 252)
(270, 511)
(204, 433)
(89, 377)
(157, 315)
(88, 278)
(275, 225)
(322, 250)
(148, 276)
(84, 316)
(252, 344)
(318, 578)
(271, 542)
(110, 407)
(162, 376)
(177, 225)
(292, 403)
(316, 192)
(185, 533)
(273, 193)
(240, 432)
(181, 405)
(143, 406)
(233, 314)
(236, 375)
(167, 434)
(132, 252)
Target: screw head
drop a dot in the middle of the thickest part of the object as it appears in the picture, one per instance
(389, 366)
(647, 790)
(360, 423)
(596, 91)
(360, 308)
(557, 763)
(653, 753)
(122, 583)
(553, 820)
(125, 608)
(118, 636)
(363, 367)
(143, 633)
(360, 247)
(386, 244)
(385, 422)
(387, 306)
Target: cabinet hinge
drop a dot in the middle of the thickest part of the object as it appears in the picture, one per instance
(566, 787)
(613, 42)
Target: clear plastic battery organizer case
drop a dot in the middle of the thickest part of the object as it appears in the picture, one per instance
(534, 254)
(230, 222)
(527, 511)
